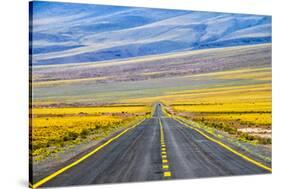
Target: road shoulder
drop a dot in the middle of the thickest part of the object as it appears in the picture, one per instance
(260, 153)
(50, 165)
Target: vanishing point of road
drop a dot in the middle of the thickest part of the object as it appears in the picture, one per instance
(158, 148)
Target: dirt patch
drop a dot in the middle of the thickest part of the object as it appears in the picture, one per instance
(260, 132)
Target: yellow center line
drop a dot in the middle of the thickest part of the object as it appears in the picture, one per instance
(164, 161)
(165, 166)
(60, 171)
(167, 174)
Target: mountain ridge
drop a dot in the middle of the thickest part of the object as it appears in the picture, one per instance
(108, 32)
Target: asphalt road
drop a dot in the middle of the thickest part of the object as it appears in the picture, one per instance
(144, 154)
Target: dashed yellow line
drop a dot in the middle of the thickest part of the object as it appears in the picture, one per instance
(60, 171)
(230, 149)
(165, 165)
(167, 174)
(164, 161)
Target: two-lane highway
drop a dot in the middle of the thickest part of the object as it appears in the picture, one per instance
(156, 149)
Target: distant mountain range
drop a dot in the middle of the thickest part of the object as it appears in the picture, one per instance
(76, 33)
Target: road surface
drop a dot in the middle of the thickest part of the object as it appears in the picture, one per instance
(158, 148)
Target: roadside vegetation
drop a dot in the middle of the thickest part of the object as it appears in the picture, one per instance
(54, 129)
(241, 111)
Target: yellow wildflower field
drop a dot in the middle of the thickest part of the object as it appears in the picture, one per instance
(225, 107)
(92, 110)
(250, 104)
(53, 129)
(255, 118)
